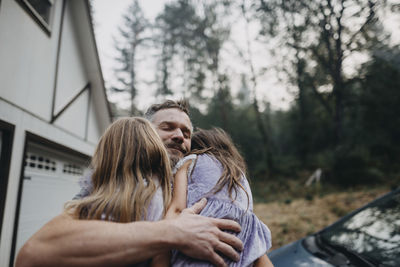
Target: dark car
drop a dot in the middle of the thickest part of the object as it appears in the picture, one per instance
(369, 236)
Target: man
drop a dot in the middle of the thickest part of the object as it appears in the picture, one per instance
(65, 241)
(173, 125)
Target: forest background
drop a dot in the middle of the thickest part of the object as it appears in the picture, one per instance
(338, 62)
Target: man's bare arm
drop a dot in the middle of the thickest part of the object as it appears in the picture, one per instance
(68, 242)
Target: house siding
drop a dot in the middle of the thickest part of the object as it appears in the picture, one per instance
(51, 87)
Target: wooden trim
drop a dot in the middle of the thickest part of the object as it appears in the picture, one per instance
(33, 138)
(5, 161)
(46, 27)
(46, 121)
(55, 146)
(58, 59)
(16, 217)
(87, 113)
(55, 117)
(88, 8)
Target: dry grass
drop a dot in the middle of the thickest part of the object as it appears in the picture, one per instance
(291, 220)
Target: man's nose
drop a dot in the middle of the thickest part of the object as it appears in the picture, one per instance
(178, 136)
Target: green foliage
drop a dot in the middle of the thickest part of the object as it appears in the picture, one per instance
(343, 123)
(369, 152)
(191, 35)
(372, 150)
(177, 35)
(380, 109)
(324, 34)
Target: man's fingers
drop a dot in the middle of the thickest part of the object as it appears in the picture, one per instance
(196, 208)
(231, 240)
(227, 250)
(225, 224)
(217, 260)
(211, 230)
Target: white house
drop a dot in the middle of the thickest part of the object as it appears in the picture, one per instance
(53, 109)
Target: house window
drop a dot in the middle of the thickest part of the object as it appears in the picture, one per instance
(40, 10)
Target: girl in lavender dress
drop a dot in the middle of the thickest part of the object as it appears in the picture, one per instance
(216, 170)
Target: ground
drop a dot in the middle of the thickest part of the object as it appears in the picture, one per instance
(293, 219)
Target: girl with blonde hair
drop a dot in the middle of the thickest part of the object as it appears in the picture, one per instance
(131, 179)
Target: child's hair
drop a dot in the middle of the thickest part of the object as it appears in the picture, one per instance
(129, 155)
(218, 143)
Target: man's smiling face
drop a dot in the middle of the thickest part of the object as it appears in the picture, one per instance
(175, 130)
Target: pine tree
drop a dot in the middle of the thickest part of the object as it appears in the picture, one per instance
(133, 38)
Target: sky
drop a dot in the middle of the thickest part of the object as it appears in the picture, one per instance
(108, 15)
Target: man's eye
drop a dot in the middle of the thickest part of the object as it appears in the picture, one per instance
(165, 127)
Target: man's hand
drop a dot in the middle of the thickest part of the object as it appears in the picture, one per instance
(202, 237)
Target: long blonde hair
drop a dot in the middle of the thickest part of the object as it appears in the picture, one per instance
(129, 157)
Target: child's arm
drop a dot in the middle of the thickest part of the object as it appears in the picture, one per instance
(179, 194)
(263, 261)
(178, 203)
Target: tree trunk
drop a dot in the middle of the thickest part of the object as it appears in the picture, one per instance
(302, 106)
(264, 137)
(259, 120)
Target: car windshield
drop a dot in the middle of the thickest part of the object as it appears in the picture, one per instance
(373, 232)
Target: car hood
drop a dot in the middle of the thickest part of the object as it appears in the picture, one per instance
(294, 254)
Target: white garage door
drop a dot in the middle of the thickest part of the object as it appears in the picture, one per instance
(50, 179)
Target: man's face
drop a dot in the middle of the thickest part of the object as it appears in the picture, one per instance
(175, 130)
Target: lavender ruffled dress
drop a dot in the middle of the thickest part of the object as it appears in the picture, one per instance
(204, 173)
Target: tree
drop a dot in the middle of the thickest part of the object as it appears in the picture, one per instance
(215, 32)
(181, 54)
(254, 84)
(327, 34)
(380, 98)
(190, 37)
(133, 35)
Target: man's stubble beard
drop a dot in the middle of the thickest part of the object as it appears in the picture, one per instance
(173, 159)
(173, 155)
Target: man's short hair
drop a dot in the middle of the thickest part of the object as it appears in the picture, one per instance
(182, 105)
